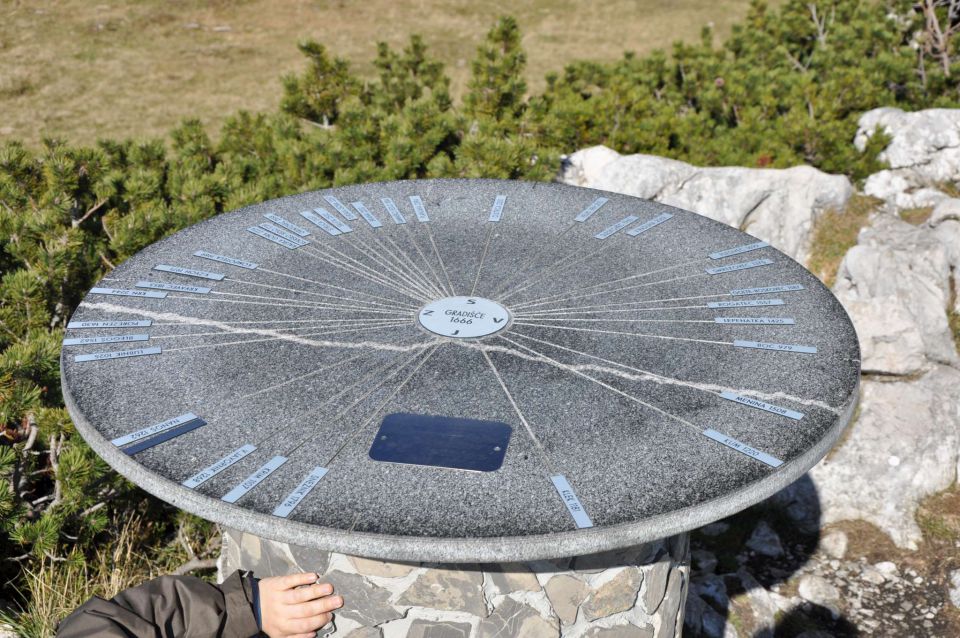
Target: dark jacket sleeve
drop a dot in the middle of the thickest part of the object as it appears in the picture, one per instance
(169, 607)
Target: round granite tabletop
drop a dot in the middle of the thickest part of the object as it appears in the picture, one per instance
(461, 370)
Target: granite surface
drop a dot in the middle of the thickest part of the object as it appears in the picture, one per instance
(611, 369)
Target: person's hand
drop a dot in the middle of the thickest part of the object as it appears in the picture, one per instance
(290, 610)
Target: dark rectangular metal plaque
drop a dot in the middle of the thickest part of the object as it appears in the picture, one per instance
(441, 441)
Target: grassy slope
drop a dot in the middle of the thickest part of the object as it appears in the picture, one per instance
(83, 69)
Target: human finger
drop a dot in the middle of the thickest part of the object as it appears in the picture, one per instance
(316, 607)
(306, 594)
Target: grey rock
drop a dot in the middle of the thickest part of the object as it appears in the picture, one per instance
(365, 632)
(817, 590)
(655, 584)
(620, 594)
(512, 577)
(765, 541)
(566, 593)
(511, 618)
(715, 529)
(386, 569)
(834, 544)
(703, 560)
(436, 629)
(700, 619)
(954, 589)
(872, 576)
(902, 448)
(895, 285)
(364, 602)
(924, 151)
(671, 611)
(763, 606)
(448, 590)
(620, 631)
(887, 568)
(713, 589)
(777, 205)
(310, 560)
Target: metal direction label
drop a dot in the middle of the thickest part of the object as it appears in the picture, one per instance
(768, 289)
(743, 448)
(300, 492)
(588, 212)
(348, 214)
(745, 303)
(254, 479)
(368, 217)
(156, 428)
(162, 285)
(190, 272)
(744, 265)
(81, 341)
(761, 405)
(620, 225)
(319, 223)
(210, 471)
(256, 230)
(138, 323)
(293, 228)
(249, 265)
(127, 293)
(120, 354)
(280, 232)
(392, 209)
(497, 211)
(757, 321)
(571, 501)
(645, 226)
(418, 208)
(780, 347)
(739, 250)
(146, 444)
(333, 220)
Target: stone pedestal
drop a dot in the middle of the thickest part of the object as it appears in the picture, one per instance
(638, 592)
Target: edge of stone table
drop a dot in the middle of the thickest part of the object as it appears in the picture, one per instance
(460, 550)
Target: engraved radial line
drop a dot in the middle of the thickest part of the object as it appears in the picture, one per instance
(433, 284)
(337, 395)
(376, 387)
(389, 261)
(426, 261)
(361, 321)
(273, 305)
(709, 388)
(553, 270)
(375, 279)
(608, 292)
(562, 366)
(628, 334)
(382, 405)
(568, 319)
(319, 294)
(370, 273)
(545, 270)
(301, 377)
(172, 316)
(314, 304)
(521, 272)
(443, 266)
(280, 338)
(320, 283)
(382, 324)
(413, 274)
(486, 247)
(550, 314)
(516, 408)
(631, 303)
(385, 262)
(569, 293)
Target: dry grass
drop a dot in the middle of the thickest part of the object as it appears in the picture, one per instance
(85, 70)
(916, 216)
(835, 233)
(55, 588)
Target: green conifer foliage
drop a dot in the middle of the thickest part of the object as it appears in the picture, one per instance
(787, 87)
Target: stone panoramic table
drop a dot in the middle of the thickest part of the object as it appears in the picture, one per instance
(479, 407)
